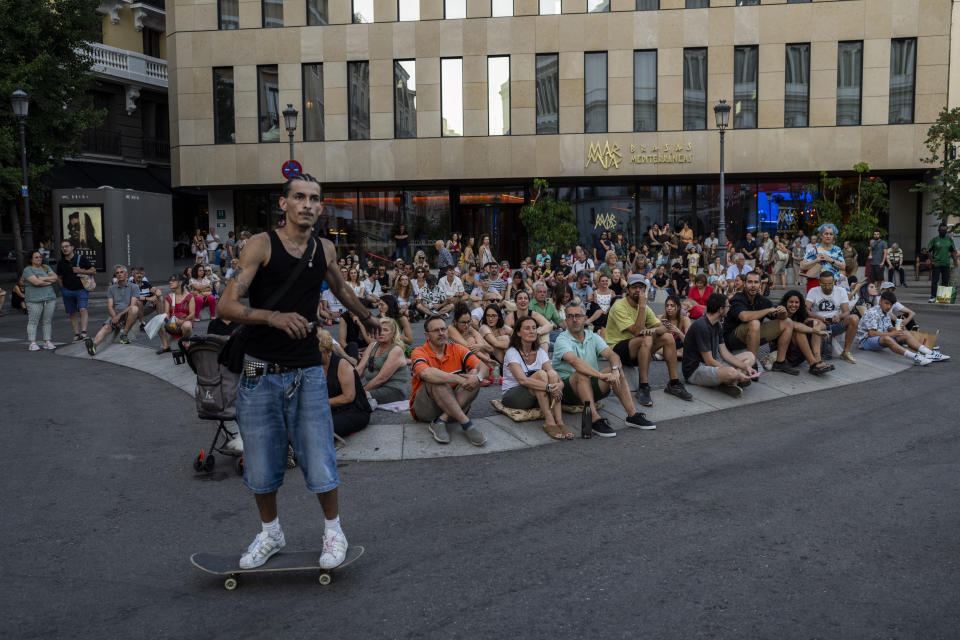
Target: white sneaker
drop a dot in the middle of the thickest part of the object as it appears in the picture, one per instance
(334, 549)
(920, 359)
(34, 346)
(234, 445)
(260, 550)
(767, 364)
(932, 300)
(936, 356)
(49, 346)
(373, 403)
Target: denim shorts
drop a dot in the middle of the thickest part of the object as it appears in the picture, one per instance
(275, 408)
(73, 301)
(872, 344)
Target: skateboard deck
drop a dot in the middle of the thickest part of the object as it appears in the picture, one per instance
(229, 565)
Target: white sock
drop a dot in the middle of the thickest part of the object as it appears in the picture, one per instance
(908, 354)
(332, 525)
(925, 350)
(272, 528)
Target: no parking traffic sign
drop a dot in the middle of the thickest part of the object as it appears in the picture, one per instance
(291, 169)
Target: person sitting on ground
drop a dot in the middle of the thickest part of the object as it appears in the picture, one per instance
(618, 282)
(348, 402)
(876, 333)
(469, 278)
(808, 335)
(446, 381)
(738, 267)
(383, 367)
(659, 283)
(700, 290)
(599, 310)
(18, 297)
(355, 283)
(899, 310)
(215, 282)
(544, 326)
(463, 333)
(371, 288)
(543, 305)
(432, 303)
(675, 321)
(830, 305)
(202, 289)
(495, 332)
(582, 291)
(451, 286)
(610, 262)
(149, 294)
(331, 307)
(529, 380)
(404, 293)
(752, 320)
(179, 308)
(679, 281)
(635, 333)
(707, 362)
(352, 335)
(497, 283)
(516, 284)
(561, 295)
(386, 282)
(390, 309)
(576, 360)
(123, 307)
(866, 296)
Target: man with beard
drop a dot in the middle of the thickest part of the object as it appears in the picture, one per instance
(706, 360)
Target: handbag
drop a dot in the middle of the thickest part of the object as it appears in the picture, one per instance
(87, 281)
(231, 356)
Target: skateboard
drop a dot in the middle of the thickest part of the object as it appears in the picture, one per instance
(229, 565)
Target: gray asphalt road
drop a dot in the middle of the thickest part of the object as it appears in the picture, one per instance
(828, 516)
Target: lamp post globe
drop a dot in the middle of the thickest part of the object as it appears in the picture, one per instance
(721, 112)
(290, 123)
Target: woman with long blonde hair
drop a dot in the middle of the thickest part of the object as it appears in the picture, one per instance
(383, 366)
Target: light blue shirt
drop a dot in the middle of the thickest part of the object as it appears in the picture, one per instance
(589, 351)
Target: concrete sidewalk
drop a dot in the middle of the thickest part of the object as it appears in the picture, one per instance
(395, 436)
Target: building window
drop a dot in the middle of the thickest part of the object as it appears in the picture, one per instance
(598, 6)
(644, 90)
(796, 1)
(404, 99)
(451, 97)
(499, 8)
(695, 88)
(745, 75)
(796, 93)
(408, 10)
(849, 82)
(223, 116)
(272, 13)
(549, 7)
(229, 14)
(312, 102)
(548, 93)
(748, 3)
(151, 42)
(358, 100)
(595, 92)
(268, 103)
(648, 5)
(698, 4)
(498, 95)
(362, 11)
(454, 9)
(317, 12)
(903, 73)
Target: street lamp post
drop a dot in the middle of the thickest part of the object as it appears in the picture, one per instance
(722, 113)
(290, 121)
(21, 105)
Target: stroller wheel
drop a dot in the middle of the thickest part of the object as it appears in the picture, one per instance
(198, 463)
(238, 466)
(208, 463)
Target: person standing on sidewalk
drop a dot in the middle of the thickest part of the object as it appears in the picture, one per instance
(942, 252)
(878, 257)
(70, 267)
(283, 389)
(41, 300)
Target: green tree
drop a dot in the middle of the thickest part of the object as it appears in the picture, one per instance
(44, 51)
(943, 137)
(549, 222)
(855, 212)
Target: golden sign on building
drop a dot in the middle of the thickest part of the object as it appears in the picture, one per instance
(609, 156)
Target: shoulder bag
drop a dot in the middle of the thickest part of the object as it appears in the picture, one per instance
(231, 356)
(87, 281)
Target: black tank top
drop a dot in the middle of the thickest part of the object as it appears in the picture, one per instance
(334, 388)
(303, 296)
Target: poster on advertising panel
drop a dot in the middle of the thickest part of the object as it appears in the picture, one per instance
(83, 225)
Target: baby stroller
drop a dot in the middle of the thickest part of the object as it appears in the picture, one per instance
(216, 396)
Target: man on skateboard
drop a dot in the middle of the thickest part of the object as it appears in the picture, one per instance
(283, 389)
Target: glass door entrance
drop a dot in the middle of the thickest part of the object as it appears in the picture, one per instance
(508, 237)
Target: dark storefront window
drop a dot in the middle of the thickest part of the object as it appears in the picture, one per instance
(745, 75)
(223, 117)
(338, 221)
(602, 208)
(648, 5)
(548, 93)
(313, 101)
(695, 89)
(268, 103)
(849, 82)
(649, 209)
(427, 216)
(256, 211)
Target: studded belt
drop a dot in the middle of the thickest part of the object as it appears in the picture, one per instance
(253, 368)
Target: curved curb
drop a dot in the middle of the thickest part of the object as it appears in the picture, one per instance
(409, 440)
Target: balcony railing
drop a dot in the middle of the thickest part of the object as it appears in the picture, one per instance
(126, 65)
(156, 149)
(103, 142)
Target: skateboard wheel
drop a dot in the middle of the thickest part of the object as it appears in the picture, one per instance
(324, 579)
(208, 463)
(230, 584)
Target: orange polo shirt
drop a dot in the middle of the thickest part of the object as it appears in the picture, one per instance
(456, 359)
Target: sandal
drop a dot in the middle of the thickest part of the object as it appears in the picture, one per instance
(567, 434)
(819, 368)
(553, 430)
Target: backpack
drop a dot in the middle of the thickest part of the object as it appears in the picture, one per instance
(216, 390)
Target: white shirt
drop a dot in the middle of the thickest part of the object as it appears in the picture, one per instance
(372, 288)
(333, 302)
(733, 271)
(512, 355)
(825, 305)
(451, 289)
